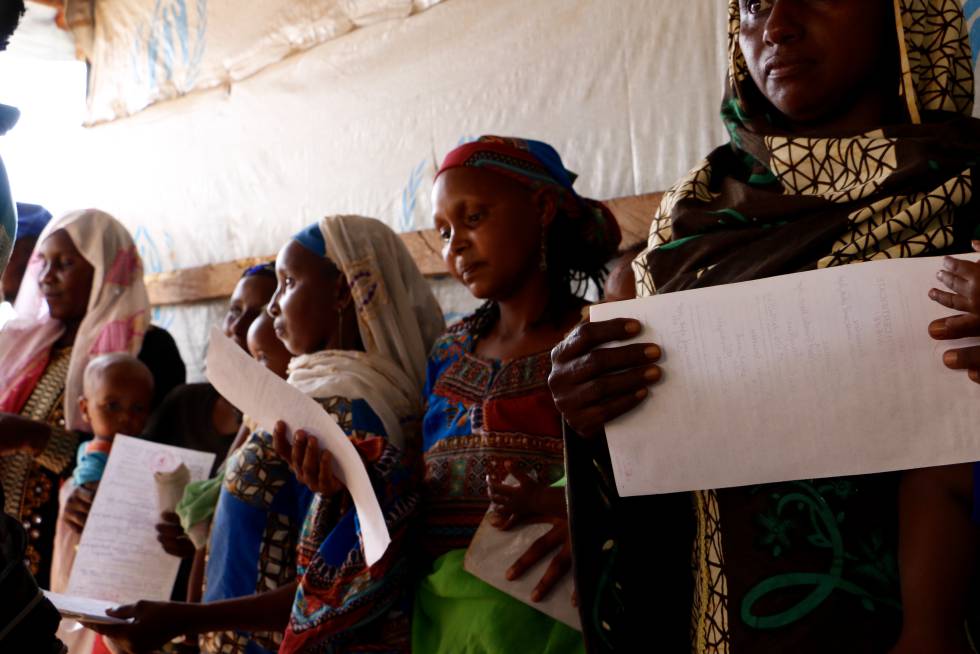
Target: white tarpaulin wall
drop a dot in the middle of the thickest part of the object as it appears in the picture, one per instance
(627, 90)
(143, 51)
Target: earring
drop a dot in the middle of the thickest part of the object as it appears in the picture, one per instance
(543, 264)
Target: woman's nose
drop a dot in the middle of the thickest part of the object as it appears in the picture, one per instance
(46, 276)
(458, 241)
(783, 24)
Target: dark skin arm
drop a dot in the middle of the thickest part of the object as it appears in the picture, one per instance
(939, 542)
(195, 585)
(936, 573)
(156, 623)
(592, 385)
(530, 502)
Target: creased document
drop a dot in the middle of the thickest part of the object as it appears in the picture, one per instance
(119, 559)
(492, 551)
(816, 374)
(266, 398)
(83, 609)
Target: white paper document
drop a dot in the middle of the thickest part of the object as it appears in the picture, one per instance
(266, 399)
(816, 374)
(119, 559)
(83, 609)
(492, 551)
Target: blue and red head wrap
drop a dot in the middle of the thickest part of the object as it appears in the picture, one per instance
(535, 165)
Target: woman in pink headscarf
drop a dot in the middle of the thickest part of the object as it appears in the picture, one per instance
(82, 296)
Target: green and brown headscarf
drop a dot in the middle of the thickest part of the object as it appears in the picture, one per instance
(771, 203)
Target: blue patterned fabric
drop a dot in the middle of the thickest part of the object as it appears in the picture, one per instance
(257, 524)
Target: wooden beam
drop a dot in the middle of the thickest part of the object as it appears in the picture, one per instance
(217, 280)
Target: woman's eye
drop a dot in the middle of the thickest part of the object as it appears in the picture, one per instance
(474, 218)
(757, 6)
(288, 282)
(445, 234)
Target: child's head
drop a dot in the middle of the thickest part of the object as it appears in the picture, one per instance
(312, 307)
(621, 282)
(508, 216)
(265, 347)
(251, 295)
(116, 397)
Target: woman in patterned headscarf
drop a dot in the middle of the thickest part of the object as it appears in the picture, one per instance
(518, 236)
(82, 296)
(850, 141)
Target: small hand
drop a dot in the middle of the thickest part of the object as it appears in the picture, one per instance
(78, 506)
(512, 504)
(313, 468)
(172, 537)
(963, 280)
(593, 385)
(153, 625)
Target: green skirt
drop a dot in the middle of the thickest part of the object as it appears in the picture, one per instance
(456, 613)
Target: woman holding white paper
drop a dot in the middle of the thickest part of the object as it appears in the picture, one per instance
(359, 318)
(850, 141)
(82, 295)
(520, 238)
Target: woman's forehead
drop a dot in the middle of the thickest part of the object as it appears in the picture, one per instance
(468, 181)
(59, 241)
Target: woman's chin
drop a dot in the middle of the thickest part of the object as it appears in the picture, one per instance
(480, 290)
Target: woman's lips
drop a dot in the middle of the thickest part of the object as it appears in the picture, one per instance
(784, 67)
(469, 269)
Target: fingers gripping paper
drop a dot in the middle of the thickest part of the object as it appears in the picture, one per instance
(816, 374)
(267, 399)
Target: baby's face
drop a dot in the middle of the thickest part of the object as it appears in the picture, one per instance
(119, 403)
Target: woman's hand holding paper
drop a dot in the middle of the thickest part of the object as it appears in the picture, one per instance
(151, 626)
(531, 502)
(172, 537)
(962, 278)
(593, 384)
(312, 467)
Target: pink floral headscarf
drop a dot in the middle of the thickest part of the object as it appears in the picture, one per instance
(117, 316)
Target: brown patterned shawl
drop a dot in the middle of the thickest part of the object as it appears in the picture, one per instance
(772, 203)
(806, 566)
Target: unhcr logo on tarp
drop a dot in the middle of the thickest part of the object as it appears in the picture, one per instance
(169, 47)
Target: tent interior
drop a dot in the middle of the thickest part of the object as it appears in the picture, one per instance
(213, 133)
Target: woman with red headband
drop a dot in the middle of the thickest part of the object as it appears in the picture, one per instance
(519, 238)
